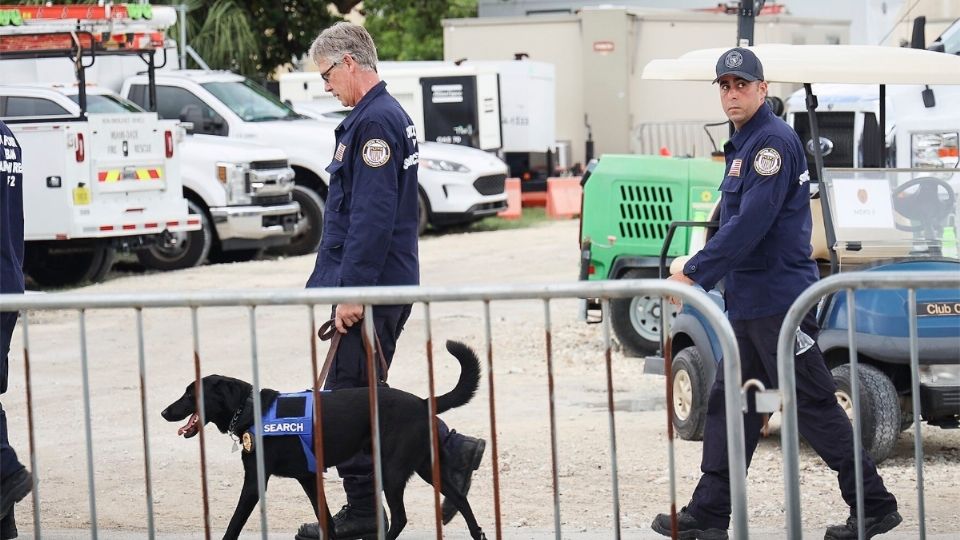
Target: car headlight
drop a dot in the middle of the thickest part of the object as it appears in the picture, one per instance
(444, 165)
(934, 149)
(233, 177)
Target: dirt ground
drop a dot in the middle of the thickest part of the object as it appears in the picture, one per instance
(541, 254)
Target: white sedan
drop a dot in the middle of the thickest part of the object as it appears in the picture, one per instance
(458, 184)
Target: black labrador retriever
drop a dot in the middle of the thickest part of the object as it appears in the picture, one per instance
(404, 437)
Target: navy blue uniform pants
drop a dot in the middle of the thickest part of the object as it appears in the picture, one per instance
(349, 370)
(822, 423)
(9, 463)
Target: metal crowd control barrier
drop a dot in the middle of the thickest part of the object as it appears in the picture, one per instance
(789, 432)
(371, 297)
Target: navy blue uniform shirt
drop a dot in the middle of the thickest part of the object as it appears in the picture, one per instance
(371, 214)
(762, 248)
(11, 213)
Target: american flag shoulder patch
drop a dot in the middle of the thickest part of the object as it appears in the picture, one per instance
(341, 148)
(735, 167)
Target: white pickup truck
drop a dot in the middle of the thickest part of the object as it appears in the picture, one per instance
(226, 104)
(240, 190)
(92, 185)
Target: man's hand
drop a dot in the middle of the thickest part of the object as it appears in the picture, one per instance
(347, 315)
(679, 277)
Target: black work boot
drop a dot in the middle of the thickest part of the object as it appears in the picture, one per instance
(872, 526)
(8, 526)
(350, 523)
(688, 527)
(463, 463)
(14, 488)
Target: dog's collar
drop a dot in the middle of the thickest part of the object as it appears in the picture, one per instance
(236, 416)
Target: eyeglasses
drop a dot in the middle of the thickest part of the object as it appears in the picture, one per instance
(326, 74)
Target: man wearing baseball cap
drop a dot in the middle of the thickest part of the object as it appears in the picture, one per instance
(762, 252)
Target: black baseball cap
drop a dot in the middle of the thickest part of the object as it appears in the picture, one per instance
(740, 62)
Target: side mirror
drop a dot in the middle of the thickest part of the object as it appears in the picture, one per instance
(192, 115)
(918, 38)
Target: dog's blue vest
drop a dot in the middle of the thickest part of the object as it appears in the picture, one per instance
(301, 426)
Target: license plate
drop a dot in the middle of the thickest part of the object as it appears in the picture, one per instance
(937, 309)
(81, 196)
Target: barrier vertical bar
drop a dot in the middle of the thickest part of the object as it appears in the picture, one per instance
(553, 419)
(608, 360)
(915, 399)
(434, 425)
(258, 424)
(494, 440)
(33, 443)
(736, 448)
(148, 477)
(201, 412)
(86, 422)
(372, 387)
(321, 509)
(671, 448)
(855, 390)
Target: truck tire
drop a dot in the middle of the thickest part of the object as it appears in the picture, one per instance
(53, 266)
(233, 256)
(690, 393)
(311, 210)
(636, 321)
(190, 249)
(880, 408)
(424, 212)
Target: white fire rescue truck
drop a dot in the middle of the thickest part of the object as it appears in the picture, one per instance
(92, 183)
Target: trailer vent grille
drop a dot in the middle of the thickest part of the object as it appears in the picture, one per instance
(645, 211)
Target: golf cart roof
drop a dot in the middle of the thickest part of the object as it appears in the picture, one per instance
(850, 64)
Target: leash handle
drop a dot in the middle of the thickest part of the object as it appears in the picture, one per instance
(328, 332)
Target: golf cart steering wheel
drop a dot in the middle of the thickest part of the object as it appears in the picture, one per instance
(925, 205)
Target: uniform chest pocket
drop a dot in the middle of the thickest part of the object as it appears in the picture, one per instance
(338, 193)
(731, 184)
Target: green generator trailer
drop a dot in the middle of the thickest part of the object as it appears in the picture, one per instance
(629, 202)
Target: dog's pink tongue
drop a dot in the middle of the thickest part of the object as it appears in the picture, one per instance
(189, 425)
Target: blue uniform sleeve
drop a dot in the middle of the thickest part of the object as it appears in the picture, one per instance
(761, 189)
(373, 206)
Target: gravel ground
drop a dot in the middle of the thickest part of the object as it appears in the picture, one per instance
(541, 254)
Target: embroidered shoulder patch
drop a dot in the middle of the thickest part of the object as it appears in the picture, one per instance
(376, 152)
(767, 162)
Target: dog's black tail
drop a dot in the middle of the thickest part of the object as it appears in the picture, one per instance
(466, 387)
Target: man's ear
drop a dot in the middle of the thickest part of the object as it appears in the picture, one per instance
(763, 88)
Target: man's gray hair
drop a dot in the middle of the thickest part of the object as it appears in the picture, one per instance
(345, 38)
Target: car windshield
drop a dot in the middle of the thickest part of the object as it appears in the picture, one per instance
(107, 104)
(951, 38)
(882, 214)
(250, 101)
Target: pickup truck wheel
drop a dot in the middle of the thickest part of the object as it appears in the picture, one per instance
(690, 393)
(424, 211)
(176, 251)
(58, 267)
(636, 321)
(880, 415)
(311, 210)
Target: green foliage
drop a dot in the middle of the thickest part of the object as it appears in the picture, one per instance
(412, 29)
(252, 37)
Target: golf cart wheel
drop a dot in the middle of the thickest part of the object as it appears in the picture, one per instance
(880, 414)
(690, 393)
(636, 321)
